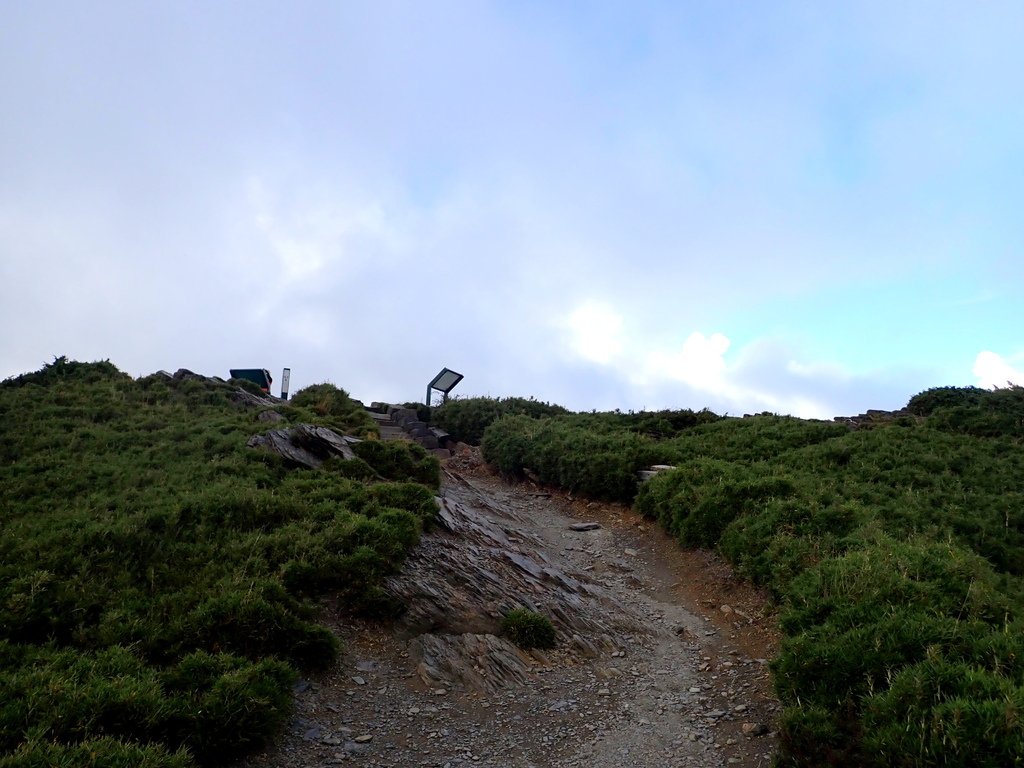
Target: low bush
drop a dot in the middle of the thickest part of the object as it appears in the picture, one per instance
(467, 419)
(332, 407)
(600, 465)
(400, 460)
(928, 402)
(528, 629)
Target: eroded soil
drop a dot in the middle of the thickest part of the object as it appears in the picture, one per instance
(661, 659)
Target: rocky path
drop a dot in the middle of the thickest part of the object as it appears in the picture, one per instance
(660, 660)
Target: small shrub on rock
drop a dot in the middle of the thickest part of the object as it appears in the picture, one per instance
(528, 629)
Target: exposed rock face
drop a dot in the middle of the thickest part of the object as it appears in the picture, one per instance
(248, 400)
(462, 581)
(237, 395)
(873, 418)
(305, 445)
(478, 662)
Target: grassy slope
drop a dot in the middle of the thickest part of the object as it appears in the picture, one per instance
(158, 579)
(896, 554)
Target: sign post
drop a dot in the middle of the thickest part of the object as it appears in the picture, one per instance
(444, 382)
(286, 377)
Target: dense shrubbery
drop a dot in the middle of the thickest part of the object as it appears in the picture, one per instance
(332, 407)
(600, 454)
(400, 460)
(661, 425)
(998, 414)
(466, 419)
(158, 578)
(896, 555)
(928, 402)
(601, 465)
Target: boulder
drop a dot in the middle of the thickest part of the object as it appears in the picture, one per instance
(305, 445)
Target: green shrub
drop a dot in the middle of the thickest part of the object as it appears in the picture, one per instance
(95, 753)
(602, 465)
(62, 370)
(942, 712)
(331, 406)
(467, 419)
(400, 460)
(927, 402)
(528, 629)
(234, 711)
(813, 735)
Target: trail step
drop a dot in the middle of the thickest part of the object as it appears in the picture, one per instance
(400, 423)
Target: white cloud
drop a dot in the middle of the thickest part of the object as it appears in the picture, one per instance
(699, 369)
(702, 371)
(700, 363)
(994, 371)
(596, 333)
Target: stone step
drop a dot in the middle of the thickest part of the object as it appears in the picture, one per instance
(402, 424)
(389, 432)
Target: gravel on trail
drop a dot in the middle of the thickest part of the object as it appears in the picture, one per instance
(661, 658)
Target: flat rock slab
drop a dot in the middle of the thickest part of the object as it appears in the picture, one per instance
(584, 526)
(306, 445)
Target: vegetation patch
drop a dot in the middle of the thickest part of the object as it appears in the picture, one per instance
(896, 555)
(528, 629)
(159, 580)
(595, 454)
(400, 460)
(329, 406)
(466, 419)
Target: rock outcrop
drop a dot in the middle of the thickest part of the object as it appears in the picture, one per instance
(873, 418)
(462, 580)
(305, 445)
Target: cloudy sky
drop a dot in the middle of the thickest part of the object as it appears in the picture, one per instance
(803, 207)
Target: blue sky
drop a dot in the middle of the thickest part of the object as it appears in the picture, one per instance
(808, 208)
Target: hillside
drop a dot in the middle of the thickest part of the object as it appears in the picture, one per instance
(169, 584)
(159, 578)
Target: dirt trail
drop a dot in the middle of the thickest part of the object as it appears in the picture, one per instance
(661, 658)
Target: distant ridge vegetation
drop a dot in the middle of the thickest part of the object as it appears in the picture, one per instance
(895, 552)
(159, 579)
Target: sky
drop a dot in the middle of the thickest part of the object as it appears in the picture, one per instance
(810, 208)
